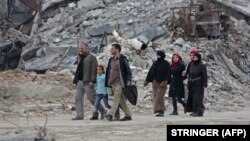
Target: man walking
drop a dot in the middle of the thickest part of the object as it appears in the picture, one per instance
(118, 76)
(159, 74)
(85, 79)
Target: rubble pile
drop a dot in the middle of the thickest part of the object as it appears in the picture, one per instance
(18, 76)
(63, 23)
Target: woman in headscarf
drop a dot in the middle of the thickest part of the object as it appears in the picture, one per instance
(197, 81)
(176, 90)
(159, 75)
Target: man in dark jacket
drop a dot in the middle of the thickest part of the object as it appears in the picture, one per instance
(85, 77)
(159, 74)
(118, 76)
(197, 81)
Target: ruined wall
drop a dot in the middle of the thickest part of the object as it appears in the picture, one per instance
(3, 8)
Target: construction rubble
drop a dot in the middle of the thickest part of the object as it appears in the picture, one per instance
(39, 62)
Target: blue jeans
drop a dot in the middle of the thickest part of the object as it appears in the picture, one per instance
(105, 98)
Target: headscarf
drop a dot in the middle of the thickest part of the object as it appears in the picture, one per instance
(199, 58)
(193, 52)
(161, 54)
(174, 64)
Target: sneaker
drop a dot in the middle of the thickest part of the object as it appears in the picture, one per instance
(126, 118)
(109, 117)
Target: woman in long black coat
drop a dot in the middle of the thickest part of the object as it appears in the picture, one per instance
(176, 90)
(197, 81)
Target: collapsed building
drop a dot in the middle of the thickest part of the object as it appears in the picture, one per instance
(142, 27)
(15, 14)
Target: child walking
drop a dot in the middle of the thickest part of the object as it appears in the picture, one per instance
(101, 90)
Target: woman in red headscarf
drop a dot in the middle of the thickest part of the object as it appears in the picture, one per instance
(176, 90)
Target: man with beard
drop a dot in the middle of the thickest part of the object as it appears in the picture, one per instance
(85, 79)
(118, 76)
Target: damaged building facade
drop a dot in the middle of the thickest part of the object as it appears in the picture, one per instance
(40, 32)
(15, 26)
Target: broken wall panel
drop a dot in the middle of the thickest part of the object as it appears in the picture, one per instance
(33, 4)
(237, 11)
(200, 20)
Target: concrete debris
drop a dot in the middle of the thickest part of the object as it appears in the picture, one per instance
(14, 34)
(100, 30)
(152, 33)
(133, 43)
(240, 2)
(89, 3)
(239, 11)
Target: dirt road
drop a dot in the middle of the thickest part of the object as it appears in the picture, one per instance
(142, 127)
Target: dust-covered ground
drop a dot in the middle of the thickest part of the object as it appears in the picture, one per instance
(22, 99)
(142, 127)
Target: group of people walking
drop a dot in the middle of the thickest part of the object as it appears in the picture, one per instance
(96, 82)
(91, 79)
(162, 73)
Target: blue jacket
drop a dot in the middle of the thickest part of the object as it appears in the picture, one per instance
(100, 84)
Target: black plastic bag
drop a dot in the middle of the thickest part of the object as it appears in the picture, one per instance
(130, 92)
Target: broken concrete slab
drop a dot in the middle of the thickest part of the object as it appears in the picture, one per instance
(14, 34)
(46, 58)
(33, 4)
(132, 43)
(42, 63)
(238, 8)
(153, 33)
(89, 3)
(94, 13)
(96, 31)
(240, 2)
(233, 68)
(29, 52)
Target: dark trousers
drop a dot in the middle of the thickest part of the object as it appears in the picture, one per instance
(175, 100)
(105, 98)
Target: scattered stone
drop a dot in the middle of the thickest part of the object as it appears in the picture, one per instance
(89, 3)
